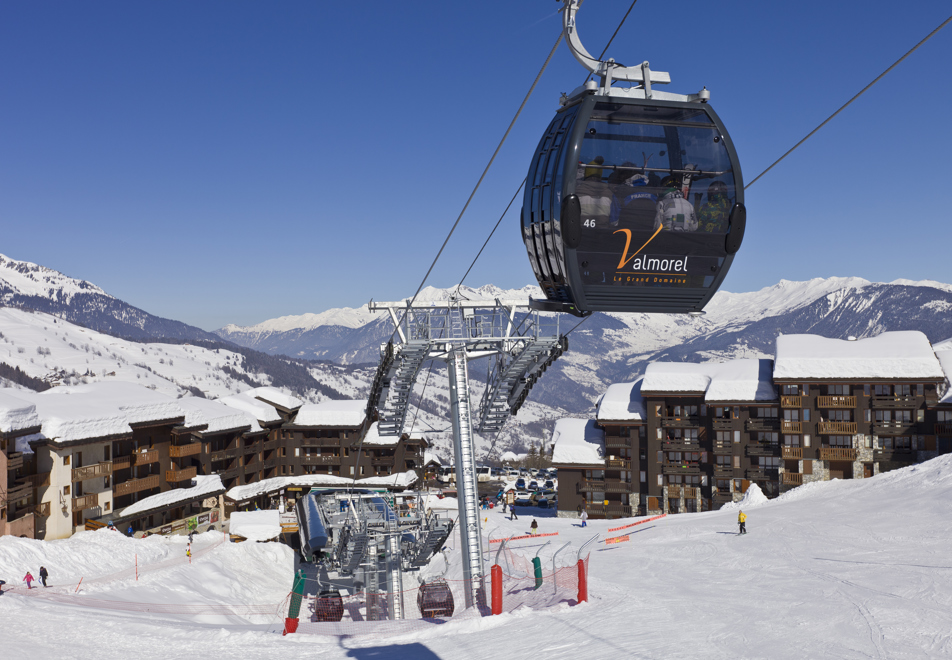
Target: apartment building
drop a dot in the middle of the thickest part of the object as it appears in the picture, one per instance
(18, 506)
(692, 437)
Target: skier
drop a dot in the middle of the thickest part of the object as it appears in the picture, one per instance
(534, 527)
(130, 531)
(584, 517)
(512, 512)
(28, 578)
(43, 575)
(674, 212)
(188, 551)
(742, 521)
(714, 213)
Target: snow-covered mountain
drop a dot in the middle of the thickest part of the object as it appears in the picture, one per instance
(25, 284)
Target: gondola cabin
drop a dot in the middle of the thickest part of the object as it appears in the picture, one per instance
(632, 206)
(435, 600)
(634, 200)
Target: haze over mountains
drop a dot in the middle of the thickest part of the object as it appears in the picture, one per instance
(333, 354)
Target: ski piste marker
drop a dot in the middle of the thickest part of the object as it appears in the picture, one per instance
(640, 522)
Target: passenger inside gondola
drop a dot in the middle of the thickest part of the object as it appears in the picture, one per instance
(713, 214)
(674, 213)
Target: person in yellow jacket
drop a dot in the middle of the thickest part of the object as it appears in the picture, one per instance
(742, 521)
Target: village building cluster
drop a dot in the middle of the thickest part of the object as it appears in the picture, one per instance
(693, 437)
(81, 457)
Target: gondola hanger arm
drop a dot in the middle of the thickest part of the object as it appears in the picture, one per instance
(609, 70)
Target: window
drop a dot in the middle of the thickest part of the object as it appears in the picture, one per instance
(737, 461)
(660, 480)
(105, 482)
(66, 460)
(920, 390)
(791, 415)
(944, 415)
(806, 440)
(866, 390)
(768, 437)
(770, 462)
(661, 457)
(767, 412)
(736, 437)
(723, 461)
(791, 390)
(723, 437)
(840, 441)
(644, 477)
(839, 415)
(105, 507)
(838, 390)
(806, 414)
(882, 390)
(920, 415)
(65, 490)
(903, 390)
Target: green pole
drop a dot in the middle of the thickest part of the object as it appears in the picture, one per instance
(297, 593)
(537, 566)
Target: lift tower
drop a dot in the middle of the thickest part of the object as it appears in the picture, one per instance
(520, 344)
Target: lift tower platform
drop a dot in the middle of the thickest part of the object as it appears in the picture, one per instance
(521, 344)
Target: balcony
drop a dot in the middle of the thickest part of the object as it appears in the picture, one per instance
(791, 479)
(618, 510)
(788, 426)
(722, 498)
(271, 445)
(763, 424)
(14, 460)
(836, 402)
(895, 455)
(103, 469)
(723, 447)
(684, 421)
(791, 401)
(19, 490)
(381, 461)
(685, 467)
(895, 402)
(136, 485)
(230, 473)
(329, 460)
(146, 457)
(723, 424)
(723, 471)
(617, 487)
(38, 480)
(618, 463)
(763, 449)
(42, 509)
(320, 442)
(591, 486)
(85, 502)
(121, 462)
(181, 451)
(943, 428)
(681, 444)
(792, 453)
(175, 476)
(893, 427)
(270, 463)
(617, 442)
(837, 454)
(837, 428)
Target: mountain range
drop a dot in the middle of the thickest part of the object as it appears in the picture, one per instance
(333, 354)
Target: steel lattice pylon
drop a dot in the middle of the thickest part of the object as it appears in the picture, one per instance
(521, 344)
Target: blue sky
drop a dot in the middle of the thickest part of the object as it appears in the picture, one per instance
(229, 162)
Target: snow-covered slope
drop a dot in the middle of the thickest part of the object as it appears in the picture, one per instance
(25, 284)
(54, 350)
(841, 569)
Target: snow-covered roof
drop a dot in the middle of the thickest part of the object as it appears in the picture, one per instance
(16, 414)
(343, 413)
(622, 402)
(429, 457)
(205, 486)
(215, 415)
(255, 525)
(248, 491)
(905, 354)
(577, 442)
(261, 411)
(97, 410)
(734, 380)
(275, 397)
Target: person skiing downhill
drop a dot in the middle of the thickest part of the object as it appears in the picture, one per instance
(534, 527)
(742, 522)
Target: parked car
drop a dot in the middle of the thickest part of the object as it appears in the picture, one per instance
(533, 485)
(523, 498)
(484, 474)
(549, 484)
(520, 484)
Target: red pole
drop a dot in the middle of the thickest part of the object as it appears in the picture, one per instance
(77, 586)
(497, 589)
(582, 582)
